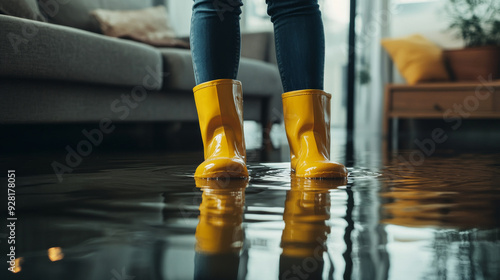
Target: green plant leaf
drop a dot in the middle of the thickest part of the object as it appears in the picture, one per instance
(477, 22)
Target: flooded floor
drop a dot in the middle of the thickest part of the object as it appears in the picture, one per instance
(126, 215)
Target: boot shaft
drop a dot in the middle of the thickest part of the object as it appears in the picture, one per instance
(219, 104)
(307, 123)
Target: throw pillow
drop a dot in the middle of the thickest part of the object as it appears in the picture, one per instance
(76, 13)
(150, 26)
(21, 8)
(417, 59)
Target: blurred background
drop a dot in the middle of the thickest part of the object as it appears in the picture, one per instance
(358, 96)
(98, 119)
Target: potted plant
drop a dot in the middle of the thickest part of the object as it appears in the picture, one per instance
(477, 22)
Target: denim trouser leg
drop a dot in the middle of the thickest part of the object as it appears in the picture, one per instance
(299, 36)
(300, 43)
(215, 39)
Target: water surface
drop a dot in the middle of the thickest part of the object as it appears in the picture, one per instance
(133, 216)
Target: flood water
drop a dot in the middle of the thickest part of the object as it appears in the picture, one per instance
(143, 216)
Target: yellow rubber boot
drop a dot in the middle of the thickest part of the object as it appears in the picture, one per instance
(307, 124)
(220, 112)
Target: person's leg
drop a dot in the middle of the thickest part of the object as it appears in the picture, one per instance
(300, 51)
(300, 43)
(215, 47)
(215, 39)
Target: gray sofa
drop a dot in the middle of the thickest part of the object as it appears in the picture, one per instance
(59, 69)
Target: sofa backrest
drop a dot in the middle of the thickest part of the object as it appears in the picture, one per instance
(76, 13)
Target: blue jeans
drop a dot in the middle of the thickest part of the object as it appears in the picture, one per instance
(299, 36)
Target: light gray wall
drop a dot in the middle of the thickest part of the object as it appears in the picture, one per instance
(426, 18)
(180, 15)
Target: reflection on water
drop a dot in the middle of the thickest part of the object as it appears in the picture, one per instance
(219, 236)
(307, 209)
(465, 196)
(142, 219)
(455, 205)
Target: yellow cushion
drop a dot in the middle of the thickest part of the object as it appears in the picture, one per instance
(417, 59)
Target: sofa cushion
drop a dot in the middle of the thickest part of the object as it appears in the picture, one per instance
(21, 8)
(259, 45)
(37, 101)
(257, 77)
(46, 51)
(76, 13)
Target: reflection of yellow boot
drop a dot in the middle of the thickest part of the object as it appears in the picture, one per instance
(307, 208)
(307, 123)
(219, 236)
(221, 215)
(220, 112)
